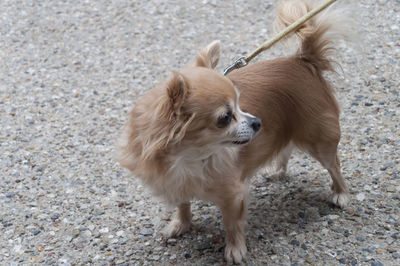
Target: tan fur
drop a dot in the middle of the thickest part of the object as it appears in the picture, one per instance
(174, 144)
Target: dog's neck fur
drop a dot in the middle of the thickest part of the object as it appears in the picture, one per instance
(190, 171)
(197, 161)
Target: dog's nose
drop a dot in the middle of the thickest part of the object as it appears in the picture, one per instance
(255, 123)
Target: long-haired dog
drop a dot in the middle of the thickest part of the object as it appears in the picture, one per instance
(202, 135)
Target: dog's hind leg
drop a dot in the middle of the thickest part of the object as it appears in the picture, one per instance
(341, 195)
(326, 154)
(283, 159)
(181, 222)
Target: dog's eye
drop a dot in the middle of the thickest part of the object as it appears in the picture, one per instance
(225, 120)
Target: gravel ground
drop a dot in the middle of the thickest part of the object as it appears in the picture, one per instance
(70, 72)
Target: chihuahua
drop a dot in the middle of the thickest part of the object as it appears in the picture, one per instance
(202, 135)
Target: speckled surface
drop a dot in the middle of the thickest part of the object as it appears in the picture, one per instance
(70, 72)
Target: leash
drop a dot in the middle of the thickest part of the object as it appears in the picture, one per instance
(243, 61)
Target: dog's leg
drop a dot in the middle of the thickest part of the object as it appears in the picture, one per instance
(341, 195)
(326, 154)
(233, 205)
(181, 222)
(282, 160)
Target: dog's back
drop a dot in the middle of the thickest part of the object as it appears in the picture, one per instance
(292, 103)
(296, 104)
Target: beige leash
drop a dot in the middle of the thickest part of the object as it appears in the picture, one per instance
(243, 61)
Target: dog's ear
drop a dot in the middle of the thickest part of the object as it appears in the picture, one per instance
(209, 56)
(177, 89)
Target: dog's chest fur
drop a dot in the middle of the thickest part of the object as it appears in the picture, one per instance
(192, 172)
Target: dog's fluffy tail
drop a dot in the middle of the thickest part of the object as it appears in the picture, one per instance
(315, 36)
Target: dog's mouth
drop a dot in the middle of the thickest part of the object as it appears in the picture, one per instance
(236, 142)
(241, 142)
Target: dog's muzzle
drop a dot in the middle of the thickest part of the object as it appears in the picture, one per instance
(247, 130)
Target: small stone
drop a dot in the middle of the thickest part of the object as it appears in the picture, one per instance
(104, 230)
(391, 189)
(332, 217)
(387, 165)
(171, 241)
(203, 206)
(259, 234)
(18, 249)
(325, 212)
(376, 263)
(295, 242)
(360, 196)
(10, 195)
(187, 255)
(309, 260)
(367, 258)
(360, 238)
(146, 232)
(76, 232)
(202, 246)
(36, 232)
(367, 250)
(79, 245)
(158, 249)
(393, 27)
(87, 234)
(380, 251)
(342, 261)
(338, 230)
(395, 236)
(129, 253)
(301, 215)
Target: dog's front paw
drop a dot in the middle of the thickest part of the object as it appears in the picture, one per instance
(341, 199)
(235, 253)
(176, 227)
